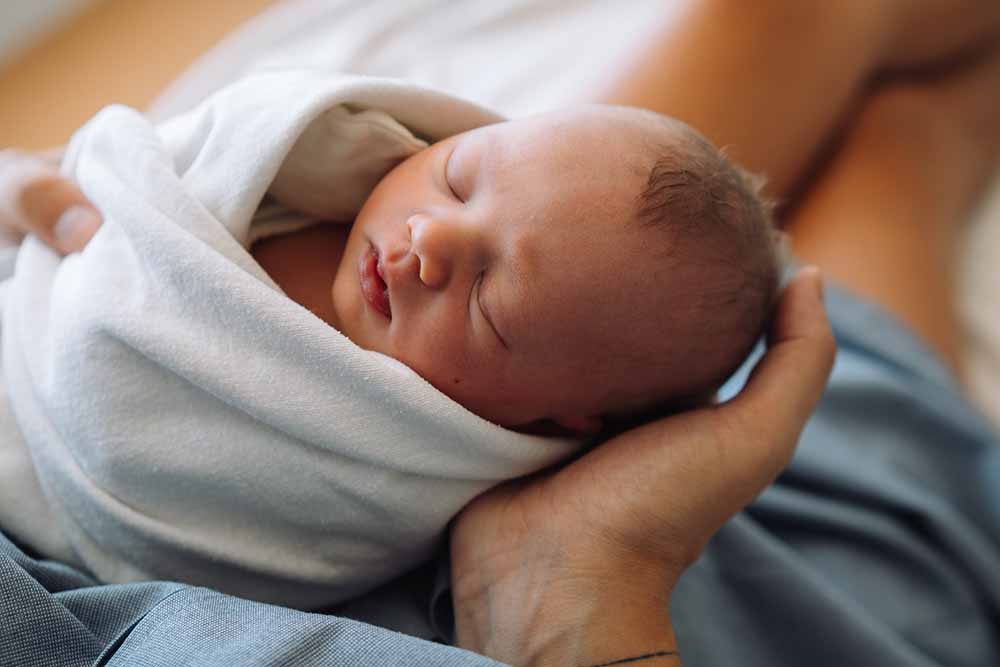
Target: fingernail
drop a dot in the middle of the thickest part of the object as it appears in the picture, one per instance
(75, 227)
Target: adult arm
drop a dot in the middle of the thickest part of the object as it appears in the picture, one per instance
(772, 80)
(36, 199)
(576, 567)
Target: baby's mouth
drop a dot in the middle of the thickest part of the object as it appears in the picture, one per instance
(373, 286)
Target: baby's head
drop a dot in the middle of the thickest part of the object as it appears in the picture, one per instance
(563, 268)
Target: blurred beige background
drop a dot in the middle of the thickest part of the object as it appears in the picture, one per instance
(61, 63)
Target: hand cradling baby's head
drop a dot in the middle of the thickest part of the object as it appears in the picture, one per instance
(563, 268)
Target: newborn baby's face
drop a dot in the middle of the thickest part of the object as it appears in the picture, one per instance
(506, 267)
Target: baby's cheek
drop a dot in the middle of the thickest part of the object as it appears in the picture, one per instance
(462, 382)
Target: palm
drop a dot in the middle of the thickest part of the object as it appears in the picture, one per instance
(619, 502)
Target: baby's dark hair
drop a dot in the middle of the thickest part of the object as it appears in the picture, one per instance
(721, 236)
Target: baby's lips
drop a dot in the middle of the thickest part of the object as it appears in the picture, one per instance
(373, 286)
(380, 270)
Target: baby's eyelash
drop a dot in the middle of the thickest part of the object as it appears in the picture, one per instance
(478, 286)
(482, 311)
(447, 181)
(451, 188)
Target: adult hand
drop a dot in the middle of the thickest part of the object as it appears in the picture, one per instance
(36, 199)
(576, 566)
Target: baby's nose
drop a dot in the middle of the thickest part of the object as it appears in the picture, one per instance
(439, 244)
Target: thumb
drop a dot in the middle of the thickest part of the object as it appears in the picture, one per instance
(747, 441)
(671, 483)
(785, 385)
(707, 464)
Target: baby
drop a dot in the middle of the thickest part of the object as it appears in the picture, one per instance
(551, 272)
(178, 417)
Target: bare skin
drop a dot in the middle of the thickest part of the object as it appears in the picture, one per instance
(690, 72)
(772, 80)
(816, 80)
(34, 198)
(885, 215)
(569, 547)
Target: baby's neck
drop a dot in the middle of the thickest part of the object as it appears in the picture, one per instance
(304, 264)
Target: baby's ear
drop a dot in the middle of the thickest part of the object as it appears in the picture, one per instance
(580, 425)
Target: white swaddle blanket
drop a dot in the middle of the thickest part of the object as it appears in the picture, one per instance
(189, 421)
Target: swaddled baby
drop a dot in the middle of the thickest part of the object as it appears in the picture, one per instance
(180, 415)
(550, 272)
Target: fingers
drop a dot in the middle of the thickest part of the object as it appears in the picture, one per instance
(35, 198)
(750, 439)
(731, 452)
(789, 380)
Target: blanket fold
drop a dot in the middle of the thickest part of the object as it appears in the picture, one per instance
(185, 418)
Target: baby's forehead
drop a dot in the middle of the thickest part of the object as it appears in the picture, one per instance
(590, 134)
(594, 156)
(582, 170)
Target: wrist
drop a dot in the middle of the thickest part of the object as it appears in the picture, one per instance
(585, 619)
(606, 632)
